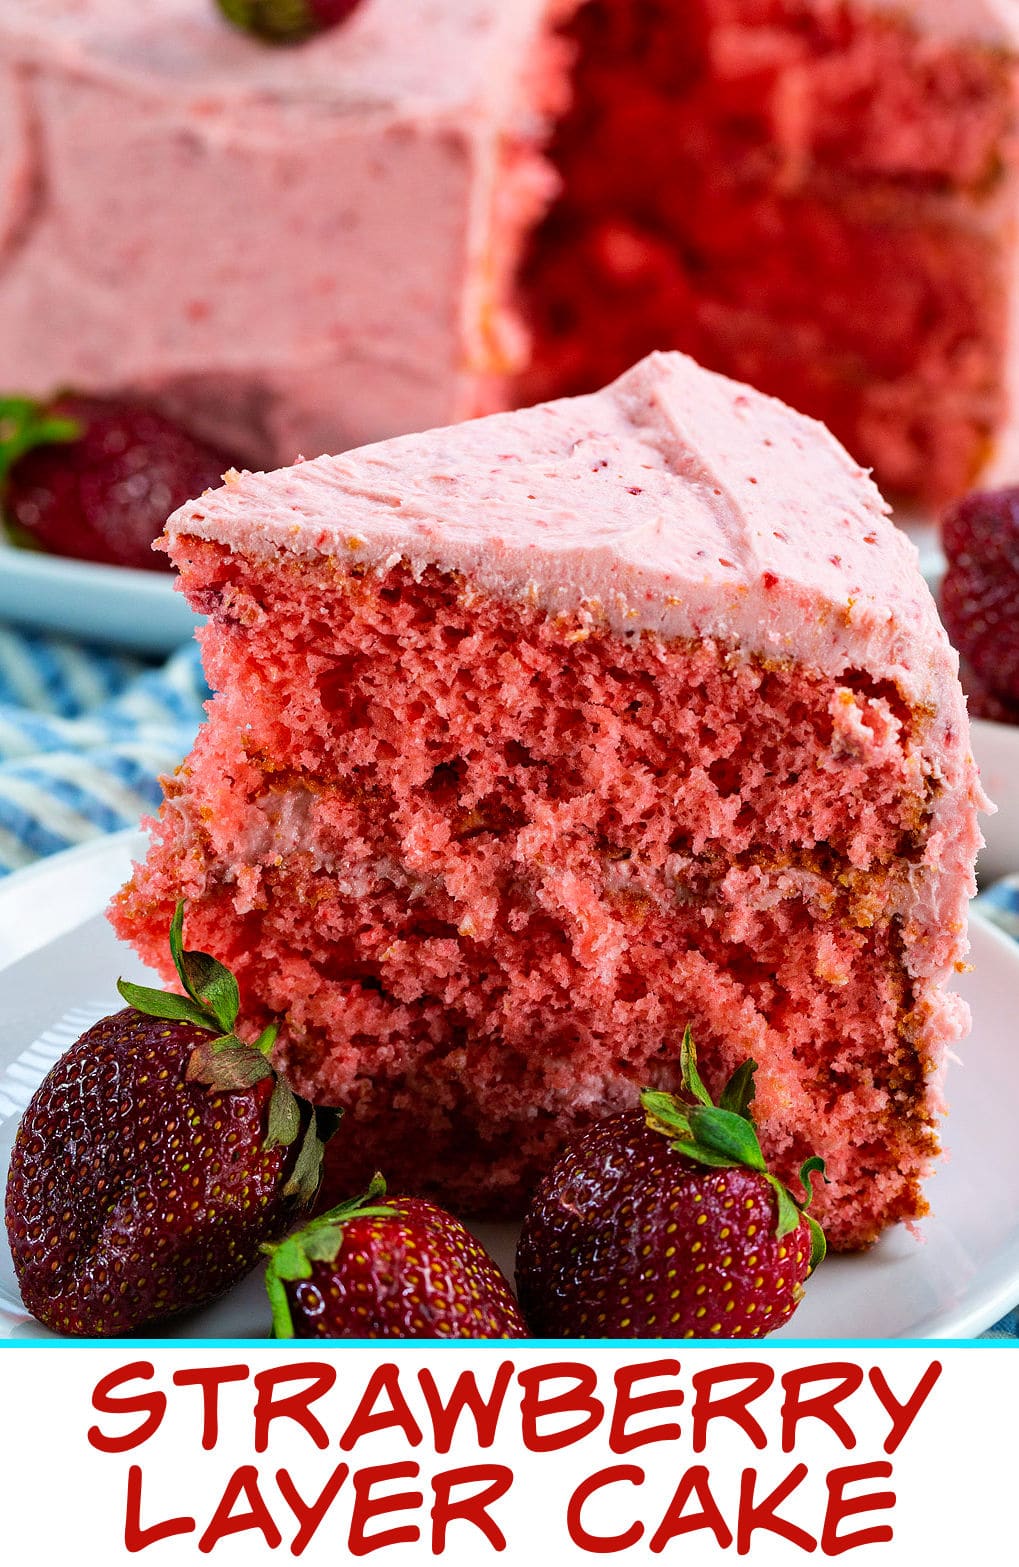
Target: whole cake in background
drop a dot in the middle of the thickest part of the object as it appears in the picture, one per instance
(541, 737)
(442, 207)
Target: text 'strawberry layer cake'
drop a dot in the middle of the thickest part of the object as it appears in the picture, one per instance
(440, 207)
(540, 737)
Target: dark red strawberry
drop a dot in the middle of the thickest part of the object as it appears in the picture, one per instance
(287, 21)
(980, 592)
(388, 1267)
(665, 1223)
(95, 478)
(155, 1159)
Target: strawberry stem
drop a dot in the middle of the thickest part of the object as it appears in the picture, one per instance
(25, 425)
(230, 1064)
(279, 21)
(292, 1259)
(724, 1137)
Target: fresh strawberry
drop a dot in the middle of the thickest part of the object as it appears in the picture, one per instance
(982, 702)
(95, 478)
(980, 592)
(665, 1223)
(287, 21)
(156, 1158)
(396, 1267)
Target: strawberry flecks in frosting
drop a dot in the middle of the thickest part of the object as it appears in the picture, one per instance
(738, 498)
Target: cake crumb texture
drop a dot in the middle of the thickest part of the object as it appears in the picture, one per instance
(490, 863)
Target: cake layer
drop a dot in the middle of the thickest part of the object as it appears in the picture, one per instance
(489, 865)
(816, 179)
(537, 739)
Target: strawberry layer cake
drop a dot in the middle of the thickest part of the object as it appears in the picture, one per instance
(540, 737)
(441, 207)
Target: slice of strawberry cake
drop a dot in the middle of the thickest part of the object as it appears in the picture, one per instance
(540, 737)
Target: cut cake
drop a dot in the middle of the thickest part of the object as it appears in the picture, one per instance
(442, 207)
(540, 737)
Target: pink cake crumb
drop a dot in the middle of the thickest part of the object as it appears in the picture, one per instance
(488, 860)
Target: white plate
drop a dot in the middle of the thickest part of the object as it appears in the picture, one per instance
(59, 961)
(996, 749)
(133, 609)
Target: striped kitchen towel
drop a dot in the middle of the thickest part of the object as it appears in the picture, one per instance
(84, 734)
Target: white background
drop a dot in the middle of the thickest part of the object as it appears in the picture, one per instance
(954, 1474)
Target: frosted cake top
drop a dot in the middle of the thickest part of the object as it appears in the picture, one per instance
(674, 501)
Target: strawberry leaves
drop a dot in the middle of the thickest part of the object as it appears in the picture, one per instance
(229, 1064)
(209, 984)
(286, 21)
(24, 425)
(724, 1137)
(319, 1241)
(211, 1001)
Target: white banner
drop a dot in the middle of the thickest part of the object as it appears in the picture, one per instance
(546, 1454)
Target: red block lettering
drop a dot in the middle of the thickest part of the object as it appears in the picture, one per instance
(385, 1379)
(242, 1483)
(495, 1480)
(579, 1400)
(602, 1544)
(210, 1379)
(309, 1514)
(821, 1406)
(629, 1404)
(367, 1507)
(135, 1537)
(734, 1406)
(903, 1415)
(763, 1514)
(465, 1395)
(832, 1543)
(695, 1482)
(319, 1376)
(151, 1404)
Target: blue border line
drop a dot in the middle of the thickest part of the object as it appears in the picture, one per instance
(506, 1346)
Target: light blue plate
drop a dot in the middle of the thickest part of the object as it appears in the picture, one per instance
(139, 610)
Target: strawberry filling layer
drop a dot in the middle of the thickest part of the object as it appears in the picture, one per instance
(489, 864)
(797, 196)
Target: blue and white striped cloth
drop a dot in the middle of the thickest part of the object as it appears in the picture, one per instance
(85, 733)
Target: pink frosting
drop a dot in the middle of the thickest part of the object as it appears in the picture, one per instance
(676, 502)
(994, 22)
(229, 227)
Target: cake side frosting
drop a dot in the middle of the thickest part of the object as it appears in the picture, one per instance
(994, 22)
(304, 320)
(418, 57)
